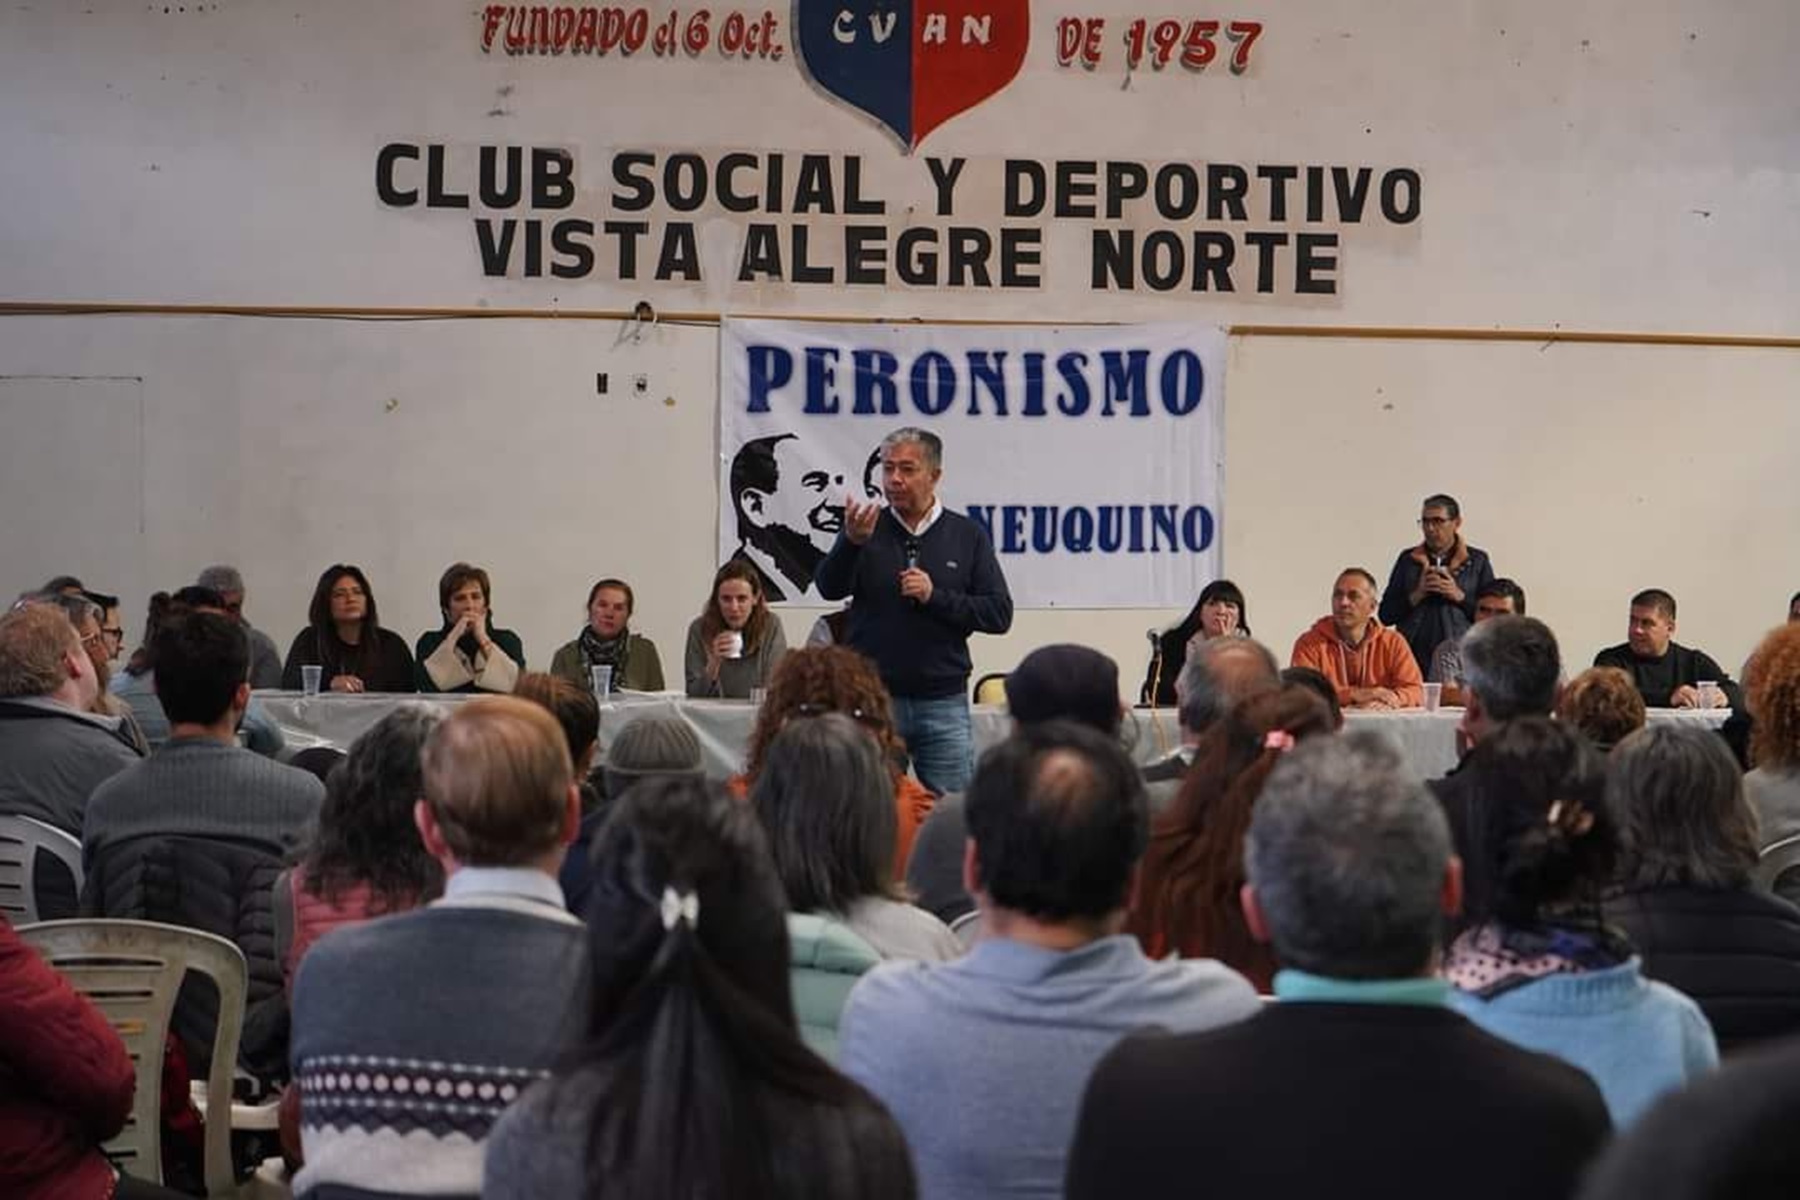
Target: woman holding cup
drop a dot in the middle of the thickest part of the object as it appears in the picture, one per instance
(735, 642)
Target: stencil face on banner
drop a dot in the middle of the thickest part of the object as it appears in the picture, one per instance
(908, 64)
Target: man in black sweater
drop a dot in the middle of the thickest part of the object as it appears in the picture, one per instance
(1360, 1081)
(924, 578)
(1667, 674)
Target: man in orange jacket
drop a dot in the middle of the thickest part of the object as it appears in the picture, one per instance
(1370, 665)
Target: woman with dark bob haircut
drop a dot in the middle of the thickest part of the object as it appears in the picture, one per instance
(468, 654)
(1219, 612)
(1539, 966)
(343, 635)
(693, 1082)
(823, 679)
(826, 802)
(1688, 848)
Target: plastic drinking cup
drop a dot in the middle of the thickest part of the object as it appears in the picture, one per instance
(1434, 692)
(602, 682)
(310, 679)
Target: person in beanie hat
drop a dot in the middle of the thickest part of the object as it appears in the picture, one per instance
(650, 747)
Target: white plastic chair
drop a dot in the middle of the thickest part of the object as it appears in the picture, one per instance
(131, 971)
(967, 928)
(1777, 859)
(20, 840)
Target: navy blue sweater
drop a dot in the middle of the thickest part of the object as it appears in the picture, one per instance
(921, 650)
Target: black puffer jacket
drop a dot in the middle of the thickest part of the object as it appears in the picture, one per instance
(1735, 951)
(217, 887)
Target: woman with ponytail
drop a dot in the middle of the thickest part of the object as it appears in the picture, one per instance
(1187, 895)
(694, 1082)
(1536, 964)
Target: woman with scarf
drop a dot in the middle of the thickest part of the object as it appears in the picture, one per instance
(1536, 964)
(468, 654)
(606, 642)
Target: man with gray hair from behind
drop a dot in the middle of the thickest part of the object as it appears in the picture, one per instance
(265, 660)
(1216, 676)
(1511, 669)
(1350, 877)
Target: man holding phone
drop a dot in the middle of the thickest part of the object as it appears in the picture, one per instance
(1431, 591)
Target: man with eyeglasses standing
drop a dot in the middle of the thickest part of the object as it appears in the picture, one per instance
(265, 659)
(1431, 591)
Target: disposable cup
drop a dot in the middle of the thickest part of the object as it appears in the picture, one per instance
(1709, 693)
(602, 682)
(1434, 692)
(311, 678)
(735, 648)
(758, 695)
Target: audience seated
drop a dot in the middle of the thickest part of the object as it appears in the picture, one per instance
(1220, 612)
(1726, 1137)
(657, 746)
(473, 996)
(1370, 665)
(607, 641)
(735, 642)
(1320, 686)
(54, 750)
(1053, 683)
(808, 683)
(68, 1087)
(468, 654)
(1604, 704)
(1498, 598)
(825, 801)
(344, 637)
(1772, 694)
(1431, 594)
(201, 783)
(983, 1060)
(364, 859)
(1186, 901)
(136, 685)
(1538, 965)
(689, 1079)
(1665, 671)
(85, 613)
(1511, 669)
(1360, 1081)
(265, 659)
(195, 834)
(1687, 850)
(1215, 677)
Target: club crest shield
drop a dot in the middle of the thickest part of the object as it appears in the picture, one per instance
(911, 64)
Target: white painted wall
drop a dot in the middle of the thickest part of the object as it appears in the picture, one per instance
(1613, 167)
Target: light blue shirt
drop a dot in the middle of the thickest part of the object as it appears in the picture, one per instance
(1303, 986)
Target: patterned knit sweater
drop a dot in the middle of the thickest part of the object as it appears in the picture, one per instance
(412, 1033)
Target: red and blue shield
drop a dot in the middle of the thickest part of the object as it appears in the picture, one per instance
(912, 64)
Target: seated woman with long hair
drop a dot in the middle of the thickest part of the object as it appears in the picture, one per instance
(735, 642)
(826, 802)
(1688, 854)
(468, 654)
(693, 1082)
(344, 637)
(822, 679)
(1219, 612)
(1537, 964)
(1186, 901)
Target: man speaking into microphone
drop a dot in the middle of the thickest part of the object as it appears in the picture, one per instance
(923, 579)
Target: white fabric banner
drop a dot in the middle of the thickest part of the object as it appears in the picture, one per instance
(1093, 455)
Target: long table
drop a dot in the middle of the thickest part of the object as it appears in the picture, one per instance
(1428, 739)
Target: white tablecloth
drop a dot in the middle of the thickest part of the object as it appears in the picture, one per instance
(1428, 739)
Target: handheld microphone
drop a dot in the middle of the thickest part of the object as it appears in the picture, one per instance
(911, 550)
(1155, 637)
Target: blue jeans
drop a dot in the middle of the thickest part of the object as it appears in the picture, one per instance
(939, 738)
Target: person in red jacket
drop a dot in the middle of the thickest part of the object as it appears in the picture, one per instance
(1370, 665)
(65, 1087)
